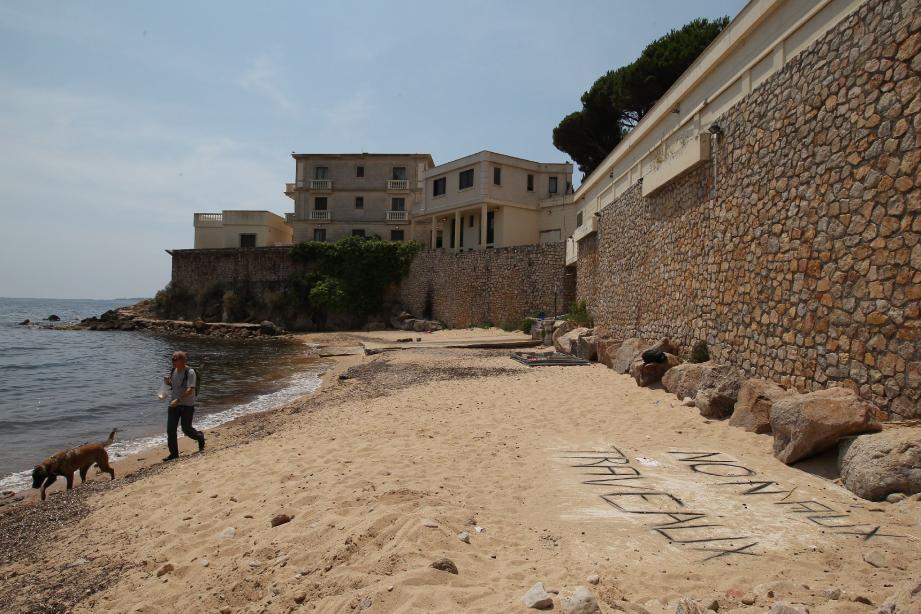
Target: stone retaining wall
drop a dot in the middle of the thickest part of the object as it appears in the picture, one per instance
(500, 286)
(801, 260)
(263, 267)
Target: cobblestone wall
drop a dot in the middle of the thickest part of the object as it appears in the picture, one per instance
(265, 267)
(500, 286)
(801, 262)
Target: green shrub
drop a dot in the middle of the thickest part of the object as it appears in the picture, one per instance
(578, 313)
(700, 352)
(174, 303)
(526, 325)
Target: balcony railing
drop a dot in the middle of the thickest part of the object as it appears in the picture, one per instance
(396, 216)
(321, 185)
(318, 216)
(209, 219)
(289, 218)
(398, 185)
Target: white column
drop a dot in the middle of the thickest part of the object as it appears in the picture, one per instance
(457, 230)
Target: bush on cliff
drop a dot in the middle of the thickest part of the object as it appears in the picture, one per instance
(175, 302)
(353, 273)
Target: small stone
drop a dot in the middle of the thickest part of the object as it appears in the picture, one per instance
(863, 599)
(896, 497)
(832, 594)
(428, 522)
(390, 588)
(300, 597)
(445, 565)
(779, 607)
(875, 558)
(78, 562)
(464, 537)
(280, 519)
(579, 601)
(363, 604)
(688, 402)
(537, 598)
(228, 533)
(593, 579)
(712, 604)
(204, 562)
(225, 610)
(748, 600)
(165, 570)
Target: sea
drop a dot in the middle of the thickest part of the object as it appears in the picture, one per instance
(63, 388)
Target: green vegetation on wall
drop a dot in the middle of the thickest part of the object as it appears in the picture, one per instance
(620, 98)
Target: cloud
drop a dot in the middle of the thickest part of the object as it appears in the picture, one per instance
(263, 77)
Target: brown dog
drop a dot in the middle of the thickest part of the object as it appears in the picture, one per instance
(65, 463)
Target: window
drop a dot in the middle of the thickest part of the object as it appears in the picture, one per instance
(398, 204)
(553, 185)
(471, 221)
(465, 179)
(578, 219)
(439, 185)
(321, 172)
(399, 173)
(248, 240)
(319, 203)
(396, 235)
(359, 202)
(360, 171)
(497, 176)
(530, 183)
(319, 234)
(358, 232)
(491, 227)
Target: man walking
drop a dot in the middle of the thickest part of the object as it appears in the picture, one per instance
(182, 380)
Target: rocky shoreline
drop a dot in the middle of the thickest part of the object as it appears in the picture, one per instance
(140, 316)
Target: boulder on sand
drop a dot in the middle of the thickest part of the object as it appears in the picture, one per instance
(649, 373)
(875, 466)
(753, 407)
(560, 329)
(606, 350)
(587, 347)
(806, 424)
(683, 379)
(717, 391)
(633, 348)
(569, 343)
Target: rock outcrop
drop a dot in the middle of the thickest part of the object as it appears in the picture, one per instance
(560, 329)
(753, 407)
(568, 343)
(877, 465)
(649, 373)
(683, 380)
(717, 391)
(606, 350)
(807, 424)
(587, 347)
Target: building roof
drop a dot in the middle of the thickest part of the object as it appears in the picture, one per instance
(487, 155)
(363, 155)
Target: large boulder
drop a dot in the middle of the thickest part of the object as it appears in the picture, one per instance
(717, 391)
(569, 343)
(753, 407)
(806, 424)
(561, 328)
(606, 350)
(587, 347)
(877, 465)
(649, 373)
(683, 380)
(627, 352)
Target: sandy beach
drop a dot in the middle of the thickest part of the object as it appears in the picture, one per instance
(554, 473)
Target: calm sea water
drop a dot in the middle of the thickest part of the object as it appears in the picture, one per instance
(60, 389)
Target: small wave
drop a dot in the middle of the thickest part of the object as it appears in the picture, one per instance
(298, 386)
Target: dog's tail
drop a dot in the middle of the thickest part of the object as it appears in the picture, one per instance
(108, 442)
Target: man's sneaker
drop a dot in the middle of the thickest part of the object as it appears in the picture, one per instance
(171, 457)
(201, 443)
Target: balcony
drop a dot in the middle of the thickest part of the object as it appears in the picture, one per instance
(289, 190)
(209, 220)
(289, 218)
(318, 216)
(396, 216)
(321, 185)
(398, 185)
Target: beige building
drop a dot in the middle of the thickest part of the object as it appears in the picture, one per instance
(241, 228)
(490, 200)
(338, 195)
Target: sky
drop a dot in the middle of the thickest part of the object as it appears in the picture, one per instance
(119, 120)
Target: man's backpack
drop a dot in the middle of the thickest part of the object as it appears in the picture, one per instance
(185, 378)
(654, 356)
